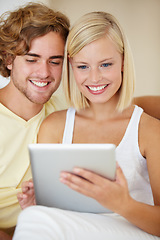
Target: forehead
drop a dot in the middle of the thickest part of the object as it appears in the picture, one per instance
(99, 49)
(50, 44)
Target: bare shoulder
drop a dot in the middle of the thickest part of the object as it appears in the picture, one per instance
(149, 133)
(149, 122)
(52, 128)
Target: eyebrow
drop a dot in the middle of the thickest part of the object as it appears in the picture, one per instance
(81, 62)
(107, 59)
(38, 56)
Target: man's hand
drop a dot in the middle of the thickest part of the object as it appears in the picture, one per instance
(4, 236)
(27, 197)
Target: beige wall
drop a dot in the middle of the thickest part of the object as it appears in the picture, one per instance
(141, 21)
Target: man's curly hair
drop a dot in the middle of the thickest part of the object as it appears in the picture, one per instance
(18, 28)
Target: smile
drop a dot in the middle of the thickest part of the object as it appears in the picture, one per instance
(98, 88)
(39, 84)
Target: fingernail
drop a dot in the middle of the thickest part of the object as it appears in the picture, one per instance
(62, 180)
(117, 165)
(63, 175)
(76, 170)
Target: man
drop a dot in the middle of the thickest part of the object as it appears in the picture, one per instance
(32, 43)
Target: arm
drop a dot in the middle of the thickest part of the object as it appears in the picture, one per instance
(51, 129)
(145, 216)
(150, 104)
(115, 195)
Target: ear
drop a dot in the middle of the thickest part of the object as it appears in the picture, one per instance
(9, 66)
(9, 62)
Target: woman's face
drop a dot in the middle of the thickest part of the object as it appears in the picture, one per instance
(97, 69)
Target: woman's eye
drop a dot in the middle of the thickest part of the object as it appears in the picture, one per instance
(106, 64)
(82, 67)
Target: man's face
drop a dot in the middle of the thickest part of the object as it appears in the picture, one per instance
(37, 74)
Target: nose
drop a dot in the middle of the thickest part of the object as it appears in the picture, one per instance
(95, 75)
(43, 70)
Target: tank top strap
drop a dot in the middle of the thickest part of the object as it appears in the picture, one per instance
(133, 126)
(130, 137)
(69, 126)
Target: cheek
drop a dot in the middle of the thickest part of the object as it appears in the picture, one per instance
(79, 77)
(57, 73)
(118, 79)
(23, 69)
(116, 75)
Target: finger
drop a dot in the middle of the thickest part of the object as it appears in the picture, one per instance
(21, 196)
(27, 183)
(90, 176)
(120, 178)
(26, 186)
(74, 178)
(77, 183)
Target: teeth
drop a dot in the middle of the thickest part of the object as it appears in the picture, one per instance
(39, 84)
(97, 88)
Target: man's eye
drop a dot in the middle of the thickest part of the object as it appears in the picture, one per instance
(31, 60)
(82, 67)
(56, 63)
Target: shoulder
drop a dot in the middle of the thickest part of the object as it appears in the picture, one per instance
(52, 127)
(56, 116)
(149, 122)
(55, 103)
(149, 133)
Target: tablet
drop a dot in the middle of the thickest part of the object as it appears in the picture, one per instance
(48, 160)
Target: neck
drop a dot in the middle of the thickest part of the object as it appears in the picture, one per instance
(16, 102)
(107, 110)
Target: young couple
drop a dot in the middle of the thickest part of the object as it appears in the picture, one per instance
(99, 87)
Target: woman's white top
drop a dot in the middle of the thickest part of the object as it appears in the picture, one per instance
(128, 156)
(39, 223)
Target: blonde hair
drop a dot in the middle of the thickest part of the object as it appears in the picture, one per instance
(88, 28)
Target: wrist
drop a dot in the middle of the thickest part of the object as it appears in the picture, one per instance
(127, 206)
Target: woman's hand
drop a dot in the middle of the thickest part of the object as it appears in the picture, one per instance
(27, 197)
(111, 194)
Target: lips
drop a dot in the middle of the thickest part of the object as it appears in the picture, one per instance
(39, 84)
(97, 88)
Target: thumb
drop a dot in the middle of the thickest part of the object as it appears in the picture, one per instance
(120, 177)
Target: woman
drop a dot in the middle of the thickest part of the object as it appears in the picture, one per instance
(100, 86)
